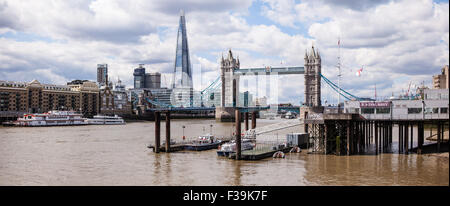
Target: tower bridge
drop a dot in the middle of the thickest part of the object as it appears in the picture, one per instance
(230, 73)
(228, 82)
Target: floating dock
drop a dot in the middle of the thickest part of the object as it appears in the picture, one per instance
(183, 146)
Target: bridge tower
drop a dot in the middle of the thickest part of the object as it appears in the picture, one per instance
(312, 78)
(312, 103)
(230, 88)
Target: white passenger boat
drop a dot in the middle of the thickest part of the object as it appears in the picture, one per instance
(101, 119)
(52, 118)
(227, 148)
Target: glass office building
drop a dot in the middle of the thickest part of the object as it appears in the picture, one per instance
(139, 77)
(182, 77)
(102, 72)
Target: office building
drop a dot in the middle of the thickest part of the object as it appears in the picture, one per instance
(102, 73)
(146, 80)
(182, 77)
(139, 77)
(441, 81)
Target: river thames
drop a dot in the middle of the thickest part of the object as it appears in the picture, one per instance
(118, 155)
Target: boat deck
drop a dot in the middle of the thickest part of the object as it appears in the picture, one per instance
(258, 154)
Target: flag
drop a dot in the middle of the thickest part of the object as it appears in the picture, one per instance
(358, 72)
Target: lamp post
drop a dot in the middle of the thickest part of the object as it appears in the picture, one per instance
(183, 133)
(231, 131)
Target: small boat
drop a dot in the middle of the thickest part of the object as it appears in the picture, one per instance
(227, 148)
(204, 142)
(172, 142)
(101, 119)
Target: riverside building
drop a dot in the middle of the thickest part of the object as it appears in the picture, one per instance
(17, 98)
(434, 105)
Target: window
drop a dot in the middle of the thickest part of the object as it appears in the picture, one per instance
(414, 110)
(435, 110)
(430, 110)
(383, 110)
(367, 110)
(444, 110)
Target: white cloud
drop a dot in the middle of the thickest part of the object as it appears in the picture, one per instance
(391, 39)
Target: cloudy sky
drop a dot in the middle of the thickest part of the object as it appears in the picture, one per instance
(397, 42)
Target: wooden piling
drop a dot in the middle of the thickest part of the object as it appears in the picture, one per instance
(400, 137)
(420, 136)
(246, 120)
(348, 137)
(406, 138)
(390, 133)
(411, 136)
(325, 137)
(371, 128)
(253, 120)
(386, 135)
(383, 136)
(238, 134)
(439, 136)
(157, 131)
(359, 137)
(167, 131)
(376, 137)
(382, 139)
(368, 134)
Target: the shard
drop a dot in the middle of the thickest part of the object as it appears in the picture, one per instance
(182, 74)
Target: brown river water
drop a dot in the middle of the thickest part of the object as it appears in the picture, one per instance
(118, 155)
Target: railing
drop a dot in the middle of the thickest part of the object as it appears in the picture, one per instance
(405, 116)
(273, 127)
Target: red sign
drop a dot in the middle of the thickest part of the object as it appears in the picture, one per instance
(374, 104)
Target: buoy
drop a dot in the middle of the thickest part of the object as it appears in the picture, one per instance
(295, 149)
(278, 154)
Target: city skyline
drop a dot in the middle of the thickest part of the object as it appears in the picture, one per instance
(393, 47)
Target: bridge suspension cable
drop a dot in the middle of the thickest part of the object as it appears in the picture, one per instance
(339, 90)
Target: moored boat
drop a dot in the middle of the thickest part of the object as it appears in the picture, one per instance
(102, 119)
(227, 148)
(204, 142)
(52, 118)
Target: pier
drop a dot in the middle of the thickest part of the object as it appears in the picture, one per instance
(349, 134)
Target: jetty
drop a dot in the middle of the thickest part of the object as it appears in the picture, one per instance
(183, 145)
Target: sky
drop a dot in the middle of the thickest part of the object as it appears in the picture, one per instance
(397, 43)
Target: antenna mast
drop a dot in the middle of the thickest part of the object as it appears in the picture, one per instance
(339, 74)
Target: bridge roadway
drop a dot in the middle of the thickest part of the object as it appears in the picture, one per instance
(269, 71)
(184, 109)
(241, 109)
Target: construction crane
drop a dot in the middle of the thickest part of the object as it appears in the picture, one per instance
(407, 91)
